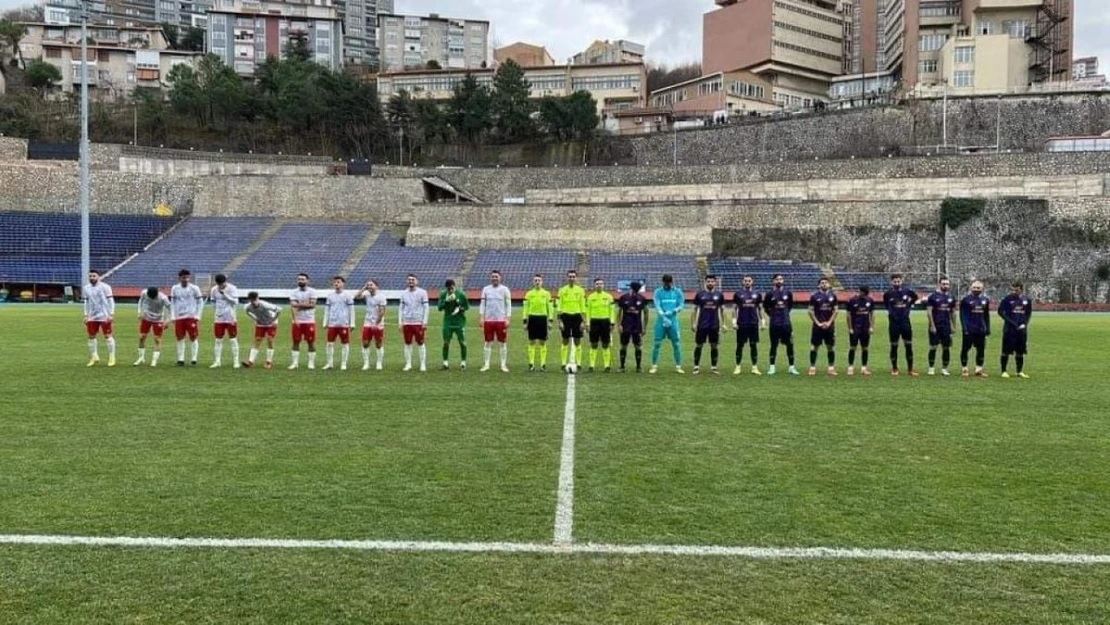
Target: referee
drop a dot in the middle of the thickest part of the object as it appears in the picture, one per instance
(538, 313)
(600, 311)
(571, 304)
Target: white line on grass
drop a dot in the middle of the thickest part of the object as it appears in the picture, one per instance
(564, 508)
(759, 553)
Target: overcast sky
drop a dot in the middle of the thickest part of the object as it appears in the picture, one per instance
(671, 29)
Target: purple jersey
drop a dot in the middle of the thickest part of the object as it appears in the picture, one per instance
(709, 303)
(1016, 311)
(631, 306)
(898, 303)
(823, 304)
(778, 304)
(975, 314)
(942, 304)
(747, 303)
(859, 310)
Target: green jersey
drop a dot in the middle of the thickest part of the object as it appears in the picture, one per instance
(572, 300)
(538, 303)
(599, 306)
(454, 307)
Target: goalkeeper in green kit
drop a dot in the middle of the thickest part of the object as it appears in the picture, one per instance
(454, 305)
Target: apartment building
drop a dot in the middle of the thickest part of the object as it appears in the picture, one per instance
(1084, 67)
(360, 29)
(412, 41)
(795, 45)
(121, 58)
(615, 86)
(243, 33)
(717, 96)
(524, 55)
(127, 13)
(609, 52)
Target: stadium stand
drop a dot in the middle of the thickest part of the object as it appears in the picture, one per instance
(46, 247)
(201, 244)
(518, 266)
(615, 268)
(388, 262)
(731, 272)
(320, 250)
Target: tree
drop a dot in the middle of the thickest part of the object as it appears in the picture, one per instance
(511, 107)
(10, 36)
(151, 115)
(172, 33)
(660, 76)
(193, 39)
(211, 93)
(27, 13)
(42, 77)
(297, 49)
(469, 109)
(572, 117)
(433, 64)
(432, 122)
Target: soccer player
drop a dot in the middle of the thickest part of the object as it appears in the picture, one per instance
(494, 311)
(823, 311)
(539, 310)
(633, 316)
(154, 311)
(99, 308)
(861, 323)
(373, 328)
(668, 302)
(748, 321)
(975, 319)
(939, 307)
(601, 313)
(709, 311)
(1016, 311)
(413, 318)
(302, 301)
(899, 301)
(265, 317)
(187, 302)
(571, 304)
(778, 302)
(225, 297)
(339, 318)
(454, 305)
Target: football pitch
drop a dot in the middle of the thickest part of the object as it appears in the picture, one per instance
(191, 495)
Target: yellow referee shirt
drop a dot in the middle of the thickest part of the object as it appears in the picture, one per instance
(537, 303)
(572, 300)
(599, 306)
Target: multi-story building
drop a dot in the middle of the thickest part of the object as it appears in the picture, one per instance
(615, 86)
(716, 96)
(126, 13)
(183, 13)
(796, 45)
(412, 41)
(360, 29)
(609, 52)
(1084, 67)
(243, 33)
(121, 58)
(524, 55)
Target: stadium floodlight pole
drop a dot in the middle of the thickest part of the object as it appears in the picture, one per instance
(944, 115)
(83, 165)
(998, 127)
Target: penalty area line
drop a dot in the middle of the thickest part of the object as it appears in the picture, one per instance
(755, 553)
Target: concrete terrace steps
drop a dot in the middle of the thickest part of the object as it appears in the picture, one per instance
(266, 235)
(583, 264)
(359, 252)
(463, 277)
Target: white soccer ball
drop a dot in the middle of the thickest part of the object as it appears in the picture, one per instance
(572, 368)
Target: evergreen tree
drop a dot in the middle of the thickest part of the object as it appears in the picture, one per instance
(511, 106)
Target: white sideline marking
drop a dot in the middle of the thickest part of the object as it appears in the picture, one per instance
(564, 508)
(758, 553)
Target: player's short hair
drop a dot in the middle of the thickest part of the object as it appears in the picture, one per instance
(183, 273)
(538, 275)
(668, 278)
(94, 271)
(495, 272)
(1017, 285)
(942, 278)
(599, 279)
(636, 286)
(749, 277)
(220, 278)
(777, 276)
(570, 271)
(303, 274)
(823, 279)
(711, 276)
(340, 278)
(411, 275)
(864, 290)
(896, 276)
(152, 292)
(253, 295)
(449, 283)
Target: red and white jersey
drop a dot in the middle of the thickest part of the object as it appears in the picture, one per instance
(99, 303)
(496, 304)
(340, 311)
(226, 301)
(154, 309)
(307, 296)
(375, 309)
(414, 307)
(265, 314)
(186, 301)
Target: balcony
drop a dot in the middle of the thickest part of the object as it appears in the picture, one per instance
(1007, 4)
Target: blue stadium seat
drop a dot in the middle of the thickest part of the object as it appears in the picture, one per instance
(617, 267)
(320, 250)
(388, 262)
(518, 266)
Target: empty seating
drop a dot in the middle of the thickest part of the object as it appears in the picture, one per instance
(615, 268)
(518, 266)
(320, 250)
(389, 263)
(731, 272)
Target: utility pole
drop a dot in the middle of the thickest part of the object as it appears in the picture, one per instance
(135, 125)
(998, 128)
(83, 148)
(401, 146)
(944, 115)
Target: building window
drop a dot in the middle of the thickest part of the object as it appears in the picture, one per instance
(53, 53)
(746, 90)
(965, 54)
(931, 42)
(984, 27)
(1017, 29)
(963, 79)
(927, 67)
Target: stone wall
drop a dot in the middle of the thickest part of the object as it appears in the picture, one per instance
(348, 198)
(163, 167)
(52, 187)
(12, 149)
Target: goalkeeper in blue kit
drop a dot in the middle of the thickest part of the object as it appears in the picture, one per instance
(668, 304)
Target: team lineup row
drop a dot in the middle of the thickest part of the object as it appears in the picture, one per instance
(595, 315)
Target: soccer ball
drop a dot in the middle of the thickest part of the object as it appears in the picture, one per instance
(572, 368)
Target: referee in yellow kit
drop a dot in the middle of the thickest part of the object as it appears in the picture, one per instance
(571, 305)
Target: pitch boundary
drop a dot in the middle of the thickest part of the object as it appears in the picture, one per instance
(564, 507)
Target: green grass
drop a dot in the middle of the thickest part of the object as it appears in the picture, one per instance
(948, 464)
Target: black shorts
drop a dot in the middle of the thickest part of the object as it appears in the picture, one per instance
(632, 335)
(901, 331)
(941, 338)
(572, 326)
(822, 336)
(747, 334)
(537, 328)
(1015, 342)
(710, 335)
(601, 331)
(860, 338)
(782, 334)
